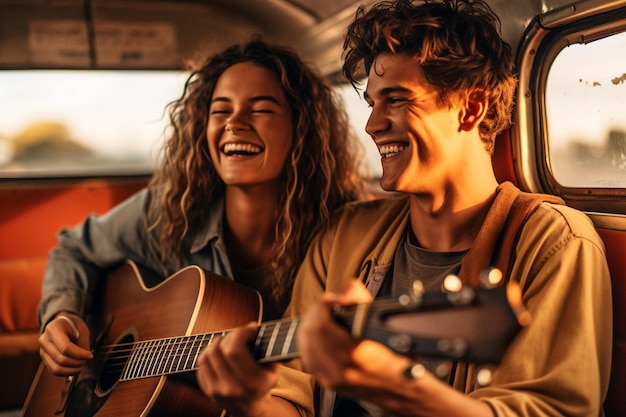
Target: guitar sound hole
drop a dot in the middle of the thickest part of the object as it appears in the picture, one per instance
(95, 382)
(114, 364)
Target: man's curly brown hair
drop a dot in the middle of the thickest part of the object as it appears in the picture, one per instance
(457, 42)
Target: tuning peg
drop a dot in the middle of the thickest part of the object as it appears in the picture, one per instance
(442, 370)
(418, 288)
(484, 376)
(491, 277)
(453, 348)
(400, 342)
(452, 283)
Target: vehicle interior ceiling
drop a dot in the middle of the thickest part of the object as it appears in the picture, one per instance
(168, 34)
(164, 34)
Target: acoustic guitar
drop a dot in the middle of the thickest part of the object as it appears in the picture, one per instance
(146, 336)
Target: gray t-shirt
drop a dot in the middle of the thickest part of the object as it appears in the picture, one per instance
(411, 262)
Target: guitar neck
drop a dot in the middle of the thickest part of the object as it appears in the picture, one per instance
(435, 325)
(275, 341)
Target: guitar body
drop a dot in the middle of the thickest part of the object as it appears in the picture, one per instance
(189, 302)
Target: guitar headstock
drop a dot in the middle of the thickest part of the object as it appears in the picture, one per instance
(470, 324)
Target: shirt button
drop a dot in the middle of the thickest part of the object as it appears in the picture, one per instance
(378, 277)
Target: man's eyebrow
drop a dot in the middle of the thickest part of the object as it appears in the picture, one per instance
(252, 100)
(387, 91)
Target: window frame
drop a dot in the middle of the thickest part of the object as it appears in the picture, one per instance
(547, 36)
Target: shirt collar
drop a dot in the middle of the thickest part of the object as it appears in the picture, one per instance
(212, 227)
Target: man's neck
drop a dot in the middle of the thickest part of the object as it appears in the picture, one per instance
(450, 221)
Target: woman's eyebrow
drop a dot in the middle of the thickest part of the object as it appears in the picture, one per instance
(265, 98)
(254, 99)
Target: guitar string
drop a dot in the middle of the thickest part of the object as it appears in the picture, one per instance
(176, 357)
(175, 349)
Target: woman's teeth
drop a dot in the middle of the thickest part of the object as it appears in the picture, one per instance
(241, 148)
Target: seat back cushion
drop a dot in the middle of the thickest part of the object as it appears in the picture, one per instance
(615, 242)
(20, 293)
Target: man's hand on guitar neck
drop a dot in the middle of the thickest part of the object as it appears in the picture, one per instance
(229, 374)
(64, 344)
(367, 370)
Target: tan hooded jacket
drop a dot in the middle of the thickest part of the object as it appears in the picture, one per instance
(558, 365)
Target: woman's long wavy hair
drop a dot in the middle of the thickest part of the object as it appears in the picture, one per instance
(320, 175)
(457, 43)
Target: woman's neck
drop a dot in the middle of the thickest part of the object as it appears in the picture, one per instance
(249, 227)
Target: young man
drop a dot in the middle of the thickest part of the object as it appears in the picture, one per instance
(440, 85)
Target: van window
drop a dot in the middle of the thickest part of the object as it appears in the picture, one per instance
(586, 118)
(57, 123)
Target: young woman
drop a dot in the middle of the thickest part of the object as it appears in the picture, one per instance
(258, 154)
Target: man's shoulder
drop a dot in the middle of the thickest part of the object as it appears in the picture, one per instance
(564, 219)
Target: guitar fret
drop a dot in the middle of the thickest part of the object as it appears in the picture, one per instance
(153, 358)
(279, 340)
(138, 359)
(141, 366)
(168, 355)
(159, 357)
(257, 343)
(182, 364)
(199, 348)
(281, 337)
(290, 335)
(141, 372)
(148, 361)
(193, 354)
(270, 347)
(178, 356)
(133, 361)
(202, 344)
(174, 353)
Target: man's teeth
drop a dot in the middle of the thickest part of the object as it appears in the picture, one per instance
(387, 151)
(241, 148)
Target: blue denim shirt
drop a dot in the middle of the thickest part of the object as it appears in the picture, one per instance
(86, 253)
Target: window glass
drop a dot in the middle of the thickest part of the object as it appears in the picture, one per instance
(82, 123)
(586, 117)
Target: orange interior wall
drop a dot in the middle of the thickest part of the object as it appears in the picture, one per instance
(31, 216)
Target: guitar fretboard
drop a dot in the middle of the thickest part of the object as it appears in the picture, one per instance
(275, 341)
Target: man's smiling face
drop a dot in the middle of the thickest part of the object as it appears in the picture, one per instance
(415, 132)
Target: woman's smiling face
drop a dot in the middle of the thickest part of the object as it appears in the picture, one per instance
(250, 126)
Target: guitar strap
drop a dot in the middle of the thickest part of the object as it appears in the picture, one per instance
(497, 239)
(497, 251)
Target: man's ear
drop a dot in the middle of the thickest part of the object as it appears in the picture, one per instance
(473, 110)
